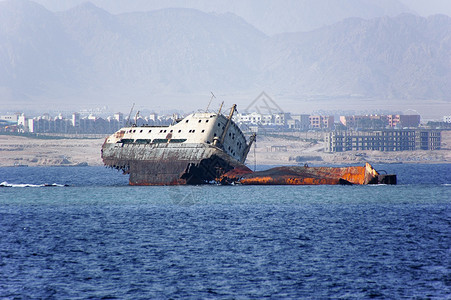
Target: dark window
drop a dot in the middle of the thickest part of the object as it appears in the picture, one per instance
(143, 141)
(160, 141)
(127, 141)
(177, 140)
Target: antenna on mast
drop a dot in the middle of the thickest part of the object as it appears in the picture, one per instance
(136, 117)
(130, 114)
(211, 98)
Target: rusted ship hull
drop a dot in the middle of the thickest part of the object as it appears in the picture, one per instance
(206, 147)
(295, 175)
(166, 164)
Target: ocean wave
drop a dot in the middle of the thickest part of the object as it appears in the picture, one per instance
(21, 185)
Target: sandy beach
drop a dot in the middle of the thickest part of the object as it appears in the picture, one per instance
(25, 151)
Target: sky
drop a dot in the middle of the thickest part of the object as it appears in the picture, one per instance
(422, 7)
(429, 7)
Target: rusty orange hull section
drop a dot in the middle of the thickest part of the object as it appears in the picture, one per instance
(296, 175)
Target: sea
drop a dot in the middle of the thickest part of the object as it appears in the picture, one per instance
(84, 233)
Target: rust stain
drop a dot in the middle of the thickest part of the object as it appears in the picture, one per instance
(150, 164)
(295, 175)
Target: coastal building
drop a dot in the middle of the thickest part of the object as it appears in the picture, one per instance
(357, 122)
(75, 120)
(299, 122)
(403, 121)
(75, 124)
(321, 122)
(10, 118)
(364, 122)
(383, 140)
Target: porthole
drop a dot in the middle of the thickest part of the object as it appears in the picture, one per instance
(186, 121)
(141, 131)
(150, 131)
(180, 131)
(200, 121)
(203, 130)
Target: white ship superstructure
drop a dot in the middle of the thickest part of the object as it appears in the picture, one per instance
(195, 149)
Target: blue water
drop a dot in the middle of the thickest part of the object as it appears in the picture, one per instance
(99, 238)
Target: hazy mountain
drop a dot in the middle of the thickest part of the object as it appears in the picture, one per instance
(90, 55)
(36, 55)
(281, 16)
(182, 50)
(269, 16)
(401, 57)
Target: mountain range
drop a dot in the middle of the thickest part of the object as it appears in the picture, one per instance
(88, 55)
(270, 16)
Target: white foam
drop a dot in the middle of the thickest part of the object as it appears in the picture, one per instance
(22, 185)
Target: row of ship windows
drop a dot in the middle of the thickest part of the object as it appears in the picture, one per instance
(149, 141)
(164, 131)
(200, 121)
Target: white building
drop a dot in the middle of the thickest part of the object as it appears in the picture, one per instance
(10, 118)
(76, 120)
(31, 125)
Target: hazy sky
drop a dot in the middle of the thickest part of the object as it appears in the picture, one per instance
(429, 7)
(423, 7)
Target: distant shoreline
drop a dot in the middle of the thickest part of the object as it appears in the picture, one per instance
(20, 151)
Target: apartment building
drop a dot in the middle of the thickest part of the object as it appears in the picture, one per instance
(383, 140)
(321, 122)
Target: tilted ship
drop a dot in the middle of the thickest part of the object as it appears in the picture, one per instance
(194, 150)
(208, 147)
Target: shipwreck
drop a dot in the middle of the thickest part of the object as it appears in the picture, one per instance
(208, 147)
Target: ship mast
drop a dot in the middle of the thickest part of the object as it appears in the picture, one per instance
(211, 98)
(229, 120)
